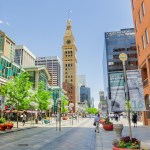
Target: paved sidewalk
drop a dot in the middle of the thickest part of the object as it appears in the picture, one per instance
(53, 123)
(104, 138)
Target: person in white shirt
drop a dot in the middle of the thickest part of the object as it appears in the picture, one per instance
(97, 119)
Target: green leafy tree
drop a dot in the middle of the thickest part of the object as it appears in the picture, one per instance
(43, 97)
(64, 103)
(91, 110)
(16, 92)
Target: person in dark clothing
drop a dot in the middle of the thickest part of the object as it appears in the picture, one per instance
(134, 119)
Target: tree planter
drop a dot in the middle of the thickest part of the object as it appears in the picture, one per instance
(116, 148)
(102, 121)
(9, 126)
(64, 118)
(3, 127)
(108, 127)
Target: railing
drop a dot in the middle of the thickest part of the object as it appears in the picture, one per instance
(145, 82)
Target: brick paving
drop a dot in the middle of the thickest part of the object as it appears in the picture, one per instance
(79, 136)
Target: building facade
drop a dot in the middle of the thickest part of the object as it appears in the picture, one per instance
(7, 46)
(141, 15)
(69, 62)
(38, 74)
(23, 56)
(81, 80)
(8, 68)
(118, 42)
(85, 95)
(53, 66)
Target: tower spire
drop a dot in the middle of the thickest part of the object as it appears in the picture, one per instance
(69, 12)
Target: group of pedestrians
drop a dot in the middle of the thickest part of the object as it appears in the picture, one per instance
(97, 120)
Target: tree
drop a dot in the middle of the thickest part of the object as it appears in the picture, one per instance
(92, 110)
(16, 92)
(43, 97)
(64, 104)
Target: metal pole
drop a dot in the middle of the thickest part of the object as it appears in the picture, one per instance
(127, 98)
(60, 116)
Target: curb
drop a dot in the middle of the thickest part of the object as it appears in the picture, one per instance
(15, 130)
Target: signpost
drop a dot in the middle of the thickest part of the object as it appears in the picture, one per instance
(123, 57)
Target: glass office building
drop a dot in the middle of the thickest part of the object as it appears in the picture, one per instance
(117, 42)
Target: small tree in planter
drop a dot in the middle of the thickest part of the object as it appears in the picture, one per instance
(3, 125)
(107, 125)
(43, 97)
(64, 104)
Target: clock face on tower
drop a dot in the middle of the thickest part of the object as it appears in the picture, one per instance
(68, 41)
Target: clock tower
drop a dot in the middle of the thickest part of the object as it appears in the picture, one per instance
(69, 62)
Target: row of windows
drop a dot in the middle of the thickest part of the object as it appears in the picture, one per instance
(145, 41)
(69, 65)
(141, 14)
(68, 52)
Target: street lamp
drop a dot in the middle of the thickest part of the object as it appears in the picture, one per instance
(59, 112)
(123, 58)
(71, 105)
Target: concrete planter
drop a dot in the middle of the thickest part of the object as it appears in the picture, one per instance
(118, 128)
(108, 127)
(145, 144)
(116, 148)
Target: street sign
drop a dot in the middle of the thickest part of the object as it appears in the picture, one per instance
(123, 57)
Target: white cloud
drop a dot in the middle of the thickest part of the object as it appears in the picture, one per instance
(1, 22)
(6, 23)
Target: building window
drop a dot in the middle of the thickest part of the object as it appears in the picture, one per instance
(147, 36)
(143, 8)
(133, 4)
(136, 26)
(143, 42)
(140, 16)
(138, 48)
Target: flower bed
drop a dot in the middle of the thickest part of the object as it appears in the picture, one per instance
(126, 144)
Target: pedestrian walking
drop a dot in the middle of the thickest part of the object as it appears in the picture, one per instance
(96, 120)
(23, 116)
(134, 119)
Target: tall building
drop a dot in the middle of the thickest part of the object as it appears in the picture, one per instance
(81, 80)
(7, 46)
(117, 42)
(53, 66)
(101, 95)
(8, 68)
(141, 19)
(85, 95)
(69, 61)
(23, 56)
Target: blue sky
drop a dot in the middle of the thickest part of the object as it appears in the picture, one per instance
(41, 24)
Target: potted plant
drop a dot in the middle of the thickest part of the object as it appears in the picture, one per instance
(9, 124)
(107, 125)
(102, 120)
(3, 126)
(125, 143)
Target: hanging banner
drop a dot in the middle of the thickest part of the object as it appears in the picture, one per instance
(117, 91)
(117, 103)
(136, 93)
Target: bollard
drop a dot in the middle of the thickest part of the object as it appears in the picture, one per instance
(118, 128)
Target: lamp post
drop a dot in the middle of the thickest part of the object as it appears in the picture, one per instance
(123, 58)
(59, 112)
(71, 105)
